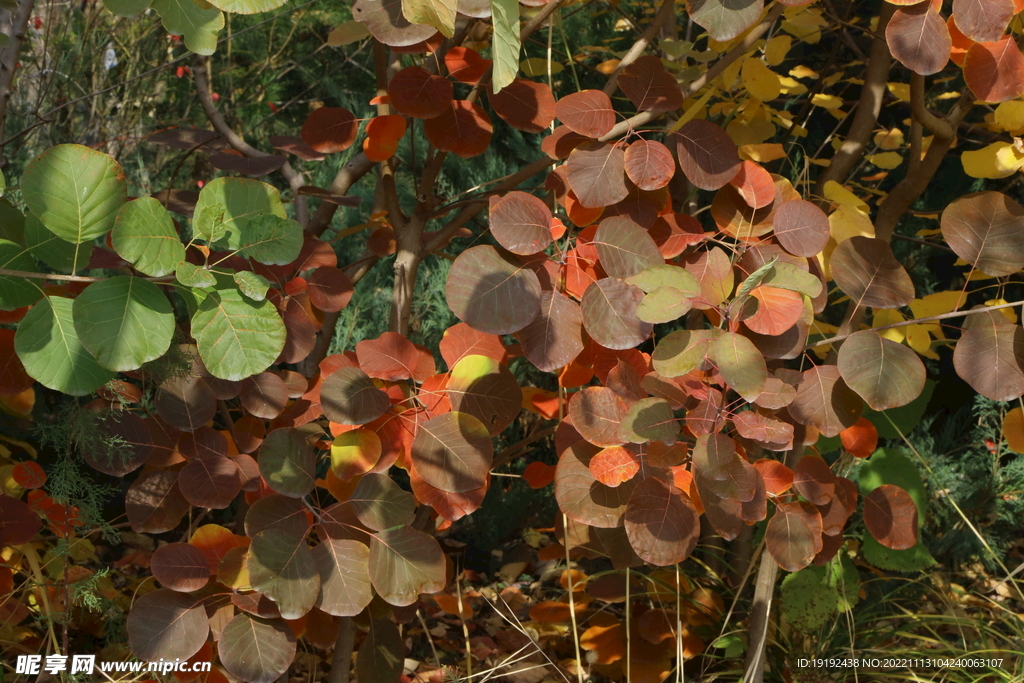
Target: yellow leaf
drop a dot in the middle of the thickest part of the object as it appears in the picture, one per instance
(889, 139)
(776, 49)
(674, 48)
(1010, 115)
(538, 66)
(792, 87)
(846, 222)
(937, 304)
(919, 340)
(928, 232)
(826, 101)
(354, 453)
(840, 195)
(1013, 430)
(801, 71)
(346, 33)
(437, 13)
(805, 26)
(886, 160)
(900, 90)
(763, 153)
(820, 162)
(608, 66)
(1008, 312)
(998, 160)
(888, 316)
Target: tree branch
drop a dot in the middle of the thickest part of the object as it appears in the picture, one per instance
(935, 125)
(354, 169)
(645, 117)
(18, 21)
(666, 10)
(916, 321)
(200, 73)
(868, 108)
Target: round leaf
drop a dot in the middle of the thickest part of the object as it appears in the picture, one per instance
(52, 353)
(344, 567)
(256, 650)
(453, 452)
(287, 461)
(891, 516)
(237, 337)
(661, 523)
(866, 270)
(144, 235)
(180, 567)
(521, 223)
(167, 625)
(490, 294)
(986, 229)
(281, 565)
(404, 563)
(75, 191)
(884, 373)
(124, 322)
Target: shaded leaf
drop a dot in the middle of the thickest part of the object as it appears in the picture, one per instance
(990, 357)
(625, 248)
(824, 400)
(554, 338)
(181, 567)
(597, 174)
(344, 576)
(661, 523)
(349, 396)
(405, 562)
(918, 38)
(588, 112)
(463, 129)
(866, 270)
(166, 625)
(609, 314)
(490, 294)
(256, 650)
(885, 374)
(453, 452)
(521, 223)
(891, 517)
(282, 566)
(707, 155)
(986, 229)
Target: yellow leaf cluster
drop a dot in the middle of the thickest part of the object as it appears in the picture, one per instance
(1010, 116)
(846, 222)
(776, 49)
(998, 160)
(919, 337)
(804, 23)
(900, 90)
(1008, 313)
(538, 66)
(889, 139)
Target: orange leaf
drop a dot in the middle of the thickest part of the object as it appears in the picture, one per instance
(777, 310)
(382, 136)
(861, 438)
(550, 612)
(755, 185)
(450, 604)
(777, 477)
(614, 466)
(606, 641)
(1013, 430)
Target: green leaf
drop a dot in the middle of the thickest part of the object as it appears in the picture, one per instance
(237, 337)
(505, 45)
(16, 292)
(681, 351)
(885, 374)
(663, 305)
(405, 562)
(126, 8)
(75, 191)
(281, 565)
(437, 13)
(649, 419)
(841, 573)
(256, 650)
(787, 276)
(52, 354)
(271, 239)
(124, 322)
(55, 252)
(145, 236)
(756, 278)
(198, 25)
(3, 184)
(665, 275)
(807, 600)
(192, 275)
(248, 6)
(12, 223)
(243, 200)
(208, 223)
(742, 366)
(382, 654)
(253, 285)
(380, 503)
(287, 462)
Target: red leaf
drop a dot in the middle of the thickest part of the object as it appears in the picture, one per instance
(524, 105)
(561, 143)
(995, 71)
(596, 172)
(919, 38)
(538, 474)
(461, 340)
(891, 516)
(463, 129)
(983, 20)
(391, 357)
(13, 378)
(707, 155)
(777, 477)
(418, 93)
(596, 413)
(588, 112)
(181, 567)
(29, 475)
(650, 87)
(521, 223)
(330, 289)
(801, 227)
(330, 129)
(814, 480)
(650, 165)
(465, 65)
(674, 232)
(777, 310)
